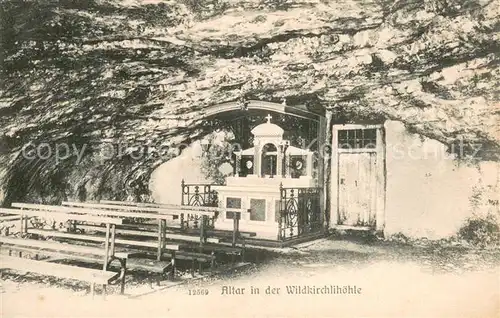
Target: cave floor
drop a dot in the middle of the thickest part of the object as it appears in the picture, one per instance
(384, 280)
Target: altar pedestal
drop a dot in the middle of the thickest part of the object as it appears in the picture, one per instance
(259, 195)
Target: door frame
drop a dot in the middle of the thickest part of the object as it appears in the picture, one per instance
(380, 174)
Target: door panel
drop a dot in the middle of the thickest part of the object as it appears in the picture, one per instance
(356, 186)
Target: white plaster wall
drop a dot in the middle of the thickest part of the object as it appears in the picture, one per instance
(428, 192)
(165, 183)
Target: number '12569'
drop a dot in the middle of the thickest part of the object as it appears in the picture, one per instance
(196, 292)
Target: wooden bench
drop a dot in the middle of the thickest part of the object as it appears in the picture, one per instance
(159, 267)
(234, 236)
(199, 257)
(66, 251)
(151, 233)
(161, 234)
(160, 244)
(91, 276)
(154, 213)
(182, 212)
(187, 210)
(8, 218)
(148, 230)
(202, 239)
(110, 223)
(159, 205)
(167, 210)
(84, 215)
(7, 221)
(104, 255)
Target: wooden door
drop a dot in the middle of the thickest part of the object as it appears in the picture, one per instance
(357, 189)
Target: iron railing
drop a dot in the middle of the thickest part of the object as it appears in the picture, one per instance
(299, 212)
(197, 194)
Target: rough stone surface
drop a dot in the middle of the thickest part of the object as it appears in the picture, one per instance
(86, 74)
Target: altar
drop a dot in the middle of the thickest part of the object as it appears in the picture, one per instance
(262, 172)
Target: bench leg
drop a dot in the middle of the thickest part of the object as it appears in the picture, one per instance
(192, 268)
(122, 286)
(172, 269)
(104, 291)
(106, 246)
(123, 275)
(92, 290)
(160, 240)
(212, 262)
(157, 280)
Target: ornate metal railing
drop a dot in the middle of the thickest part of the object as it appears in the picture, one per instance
(300, 212)
(197, 194)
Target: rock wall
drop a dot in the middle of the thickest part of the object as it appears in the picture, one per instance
(2, 182)
(429, 193)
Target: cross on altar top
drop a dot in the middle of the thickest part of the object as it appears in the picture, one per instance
(269, 117)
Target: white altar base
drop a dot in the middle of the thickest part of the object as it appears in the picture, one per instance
(259, 194)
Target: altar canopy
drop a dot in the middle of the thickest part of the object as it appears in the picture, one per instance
(274, 157)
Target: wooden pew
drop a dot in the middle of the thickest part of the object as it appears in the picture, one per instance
(92, 254)
(150, 233)
(162, 212)
(235, 235)
(7, 222)
(128, 213)
(210, 236)
(158, 267)
(199, 257)
(171, 207)
(173, 210)
(83, 213)
(91, 276)
(187, 209)
(145, 212)
(105, 255)
(68, 216)
(7, 218)
(96, 210)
